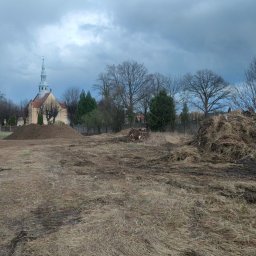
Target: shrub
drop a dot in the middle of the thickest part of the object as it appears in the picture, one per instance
(40, 119)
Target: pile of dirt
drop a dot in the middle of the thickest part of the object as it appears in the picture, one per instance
(231, 137)
(34, 131)
(138, 134)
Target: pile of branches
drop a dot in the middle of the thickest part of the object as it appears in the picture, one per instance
(231, 137)
(138, 134)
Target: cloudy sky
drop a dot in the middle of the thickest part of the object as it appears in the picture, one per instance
(80, 37)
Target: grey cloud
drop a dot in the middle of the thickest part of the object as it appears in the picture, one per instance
(221, 29)
(169, 36)
(30, 12)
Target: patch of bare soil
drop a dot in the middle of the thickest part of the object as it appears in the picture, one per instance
(34, 131)
(97, 196)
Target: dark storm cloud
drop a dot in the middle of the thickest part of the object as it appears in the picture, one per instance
(208, 33)
(78, 38)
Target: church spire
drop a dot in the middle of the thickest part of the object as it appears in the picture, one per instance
(43, 73)
(43, 86)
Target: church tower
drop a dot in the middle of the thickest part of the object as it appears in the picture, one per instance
(43, 86)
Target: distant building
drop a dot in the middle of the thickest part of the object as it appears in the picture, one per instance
(20, 121)
(45, 100)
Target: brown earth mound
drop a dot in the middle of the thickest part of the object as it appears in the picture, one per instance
(231, 137)
(34, 131)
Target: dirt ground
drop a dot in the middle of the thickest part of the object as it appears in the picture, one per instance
(101, 195)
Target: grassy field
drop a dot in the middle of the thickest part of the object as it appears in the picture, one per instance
(4, 134)
(102, 195)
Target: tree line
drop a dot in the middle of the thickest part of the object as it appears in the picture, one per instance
(10, 112)
(128, 88)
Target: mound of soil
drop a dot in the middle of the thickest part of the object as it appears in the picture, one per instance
(34, 131)
(232, 136)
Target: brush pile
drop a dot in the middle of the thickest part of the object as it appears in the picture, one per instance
(231, 137)
(185, 153)
(138, 134)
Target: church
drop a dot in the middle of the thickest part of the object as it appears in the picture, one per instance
(44, 102)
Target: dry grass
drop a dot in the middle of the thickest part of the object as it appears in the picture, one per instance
(231, 137)
(185, 153)
(4, 134)
(94, 196)
(160, 138)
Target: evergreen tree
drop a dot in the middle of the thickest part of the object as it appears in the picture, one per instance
(162, 112)
(89, 104)
(184, 116)
(86, 104)
(80, 107)
(40, 119)
(12, 120)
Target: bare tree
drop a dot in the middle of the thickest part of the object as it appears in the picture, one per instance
(104, 85)
(71, 99)
(23, 110)
(207, 90)
(8, 111)
(149, 92)
(171, 85)
(128, 80)
(159, 82)
(244, 95)
(50, 111)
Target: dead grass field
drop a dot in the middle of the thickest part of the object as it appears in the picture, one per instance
(100, 195)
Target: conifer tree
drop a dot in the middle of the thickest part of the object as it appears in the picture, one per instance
(40, 119)
(86, 104)
(162, 112)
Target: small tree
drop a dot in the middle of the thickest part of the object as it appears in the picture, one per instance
(162, 112)
(71, 98)
(184, 116)
(23, 110)
(94, 119)
(105, 106)
(40, 119)
(12, 120)
(50, 111)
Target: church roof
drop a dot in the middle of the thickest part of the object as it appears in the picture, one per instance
(38, 102)
(63, 105)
